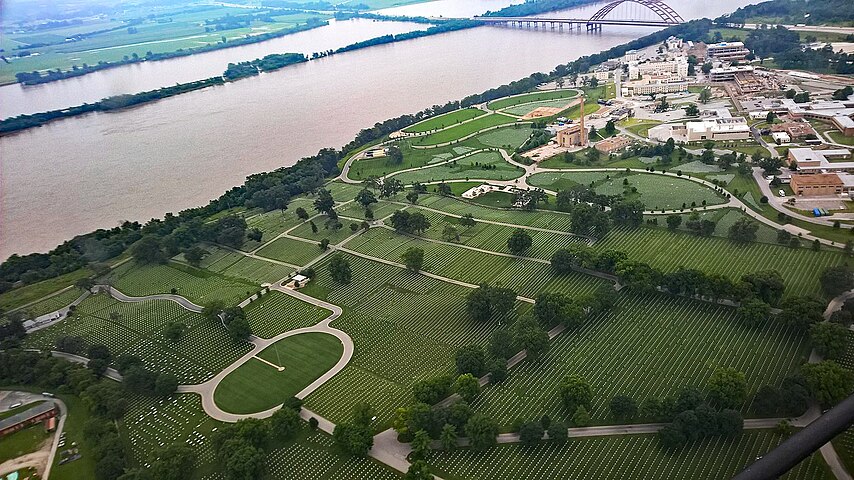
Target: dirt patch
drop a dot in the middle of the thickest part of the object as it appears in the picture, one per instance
(540, 112)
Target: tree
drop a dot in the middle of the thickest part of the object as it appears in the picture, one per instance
(413, 258)
(581, 417)
(531, 433)
(431, 390)
(98, 366)
(195, 255)
(770, 165)
(558, 432)
(829, 339)
(174, 462)
(837, 279)
(610, 127)
(623, 407)
(363, 414)
(471, 359)
(691, 110)
(353, 439)
(828, 382)
(365, 197)
(769, 119)
(448, 437)
(99, 351)
(468, 220)
(418, 470)
(254, 234)
(239, 330)
(412, 197)
(575, 391)
(242, 460)
(301, 213)
(767, 400)
(450, 233)
(801, 312)
(627, 213)
(753, 312)
(148, 250)
(530, 337)
(324, 203)
(673, 221)
(420, 445)
(766, 285)
(519, 241)
(339, 269)
(671, 437)
(481, 431)
(706, 93)
(727, 388)
(166, 384)
(479, 303)
(467, 387)
(174, 331)
(395, 156)
(503, 300)
(743, 230)
(390, 187)
(501, 344)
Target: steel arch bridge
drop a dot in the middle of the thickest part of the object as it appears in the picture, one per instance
(663, 10)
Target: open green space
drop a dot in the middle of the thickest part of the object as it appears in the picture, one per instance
(53, 303)
(483, 165)
(655, 191)
(639, 127)
(463, 130)
(325, 230)
(622, 456)
(526, 108)
(531, 97)
(838, 137)
(31, 293)
(445, 120)
(277, 313)
(84, 467)
(649, 346)
(539, 218)
(22, 442)
(137, 329)
(236, 265)
(291, 251)
(299, 360)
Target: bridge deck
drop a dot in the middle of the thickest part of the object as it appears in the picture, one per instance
(586, 21)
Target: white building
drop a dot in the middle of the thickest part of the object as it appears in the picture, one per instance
(727, 74)
(715, 129)
(671, 70)
(728, 51)
(631, 56)
(648, 87)
(780, 137)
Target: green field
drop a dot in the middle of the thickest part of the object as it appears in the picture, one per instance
(22, 442)
(31, 293)
(531, 97)
(481, 165)
(137, 329)
(460, 131)
(649, 346)
(446, 120)
(237, 265)
(291, 251)
(53, 303)
(526, 108)
(168, 29)
(257, 386)
(84, 467)
(628, 456)
(277, 313)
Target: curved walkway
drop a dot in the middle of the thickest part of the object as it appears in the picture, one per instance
(118, 295)
(206, 389)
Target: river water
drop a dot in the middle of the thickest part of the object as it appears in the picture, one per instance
(75, 175)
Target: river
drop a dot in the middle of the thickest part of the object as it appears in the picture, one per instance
(75, 175)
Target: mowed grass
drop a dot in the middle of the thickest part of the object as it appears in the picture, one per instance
(289, 250)
(277, 313)
(623, 457)
(531, 97)
(19, 297)
(22, 442)
(463, 130)
(667, 251)
(445, 120)
(256, 386)
(482, 165)
(649, 346)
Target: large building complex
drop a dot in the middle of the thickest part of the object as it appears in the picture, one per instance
(728, 51)
(715, 129)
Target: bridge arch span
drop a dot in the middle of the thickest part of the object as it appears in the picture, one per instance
(663, 10)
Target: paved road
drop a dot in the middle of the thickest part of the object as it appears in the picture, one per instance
(118, 295)
(48, 319)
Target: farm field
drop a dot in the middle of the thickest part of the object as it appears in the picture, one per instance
(526, 277)
(277, 313)
(197, 285)
(531, 97)
(291, 251)
(257, 385)
(445, 120)
(483, 165)
(137, 329)
(650, 346)
(389, 309)
(460, 131)
(629, 456)
(667, 251)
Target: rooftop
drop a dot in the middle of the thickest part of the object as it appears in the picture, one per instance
(26, 415)
(817, 179)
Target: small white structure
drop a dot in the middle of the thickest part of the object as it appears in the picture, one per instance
(734, 128)
(475, 192)
(780, 137)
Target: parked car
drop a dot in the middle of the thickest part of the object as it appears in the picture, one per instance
(782, 193)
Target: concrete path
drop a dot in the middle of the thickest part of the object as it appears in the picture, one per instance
(118, 295)
(206, 389)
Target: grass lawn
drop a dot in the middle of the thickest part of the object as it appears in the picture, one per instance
(291, 251)
(640, 127)
(257, 386)
(460, 131)
(445, 120)
(526, 108)
(22, 442)
(531, 97)
(482, 165)
(84, 467)
(53, 303)
(838, 137)
(21, 296)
